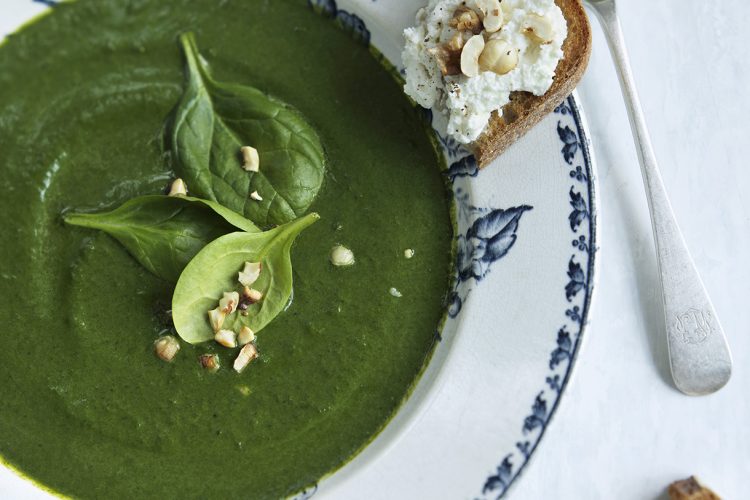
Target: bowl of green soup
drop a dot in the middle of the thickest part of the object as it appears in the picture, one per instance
(240, 263)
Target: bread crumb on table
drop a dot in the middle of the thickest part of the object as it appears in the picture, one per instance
(690, 489)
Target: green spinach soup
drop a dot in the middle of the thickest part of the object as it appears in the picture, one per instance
(103, 105)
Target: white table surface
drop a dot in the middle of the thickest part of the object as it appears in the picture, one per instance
(623, 431)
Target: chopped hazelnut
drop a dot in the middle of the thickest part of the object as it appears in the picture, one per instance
(246, 355)
(250, 273)
(250, 159)
(465, 19)
(539, 29)
(251, 295)
(178, 188)
(228, 304)
(492, 15)
(470, 55)
(227, 338)
(216, 317)
(342, 256)
(245, 336)
(499, 57)
(210, 362)
(166, 347)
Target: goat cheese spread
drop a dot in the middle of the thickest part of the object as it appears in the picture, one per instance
(535, 29)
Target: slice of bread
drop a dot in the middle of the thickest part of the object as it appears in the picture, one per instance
(526, 110)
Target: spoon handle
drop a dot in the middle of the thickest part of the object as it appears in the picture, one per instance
(699, 355)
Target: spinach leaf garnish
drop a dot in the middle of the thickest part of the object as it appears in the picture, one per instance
(214, 119)
(164, 232)
(214, 270)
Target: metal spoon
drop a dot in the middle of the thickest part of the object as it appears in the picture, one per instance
(699, 355)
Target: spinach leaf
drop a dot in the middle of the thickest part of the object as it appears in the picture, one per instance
(164, 232)
(210, 124)
(214, 271)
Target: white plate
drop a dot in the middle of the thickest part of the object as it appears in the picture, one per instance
(527, 243)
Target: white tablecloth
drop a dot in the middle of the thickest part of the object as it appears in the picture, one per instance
(623, 431)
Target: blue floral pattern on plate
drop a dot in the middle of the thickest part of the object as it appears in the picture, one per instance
(489, 238)
(578, 289)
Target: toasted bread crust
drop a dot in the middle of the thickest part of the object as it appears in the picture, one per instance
(525, 109)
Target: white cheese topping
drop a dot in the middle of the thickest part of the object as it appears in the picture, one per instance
(467, 103)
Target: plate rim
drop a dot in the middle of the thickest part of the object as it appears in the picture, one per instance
(589, 160)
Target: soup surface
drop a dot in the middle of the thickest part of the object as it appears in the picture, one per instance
(87, 409)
